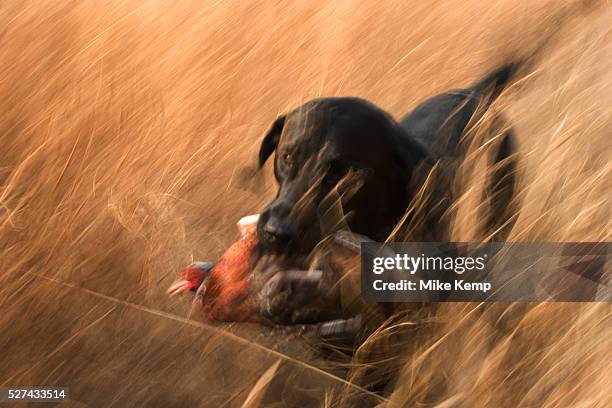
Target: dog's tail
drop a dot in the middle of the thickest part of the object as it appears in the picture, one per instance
(501, 186)
(493, 84)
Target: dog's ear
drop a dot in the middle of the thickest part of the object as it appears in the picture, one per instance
(270, 140)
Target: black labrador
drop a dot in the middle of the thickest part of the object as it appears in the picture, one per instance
(347, 157)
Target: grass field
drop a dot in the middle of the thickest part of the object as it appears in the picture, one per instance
(127, 129)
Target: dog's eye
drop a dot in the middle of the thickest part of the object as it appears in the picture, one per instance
(286, 158)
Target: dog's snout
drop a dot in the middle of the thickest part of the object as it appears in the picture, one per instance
(274, 229)
(276, 236)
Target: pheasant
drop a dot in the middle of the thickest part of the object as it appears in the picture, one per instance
(222, 288)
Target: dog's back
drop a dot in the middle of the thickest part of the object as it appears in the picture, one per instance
(439, 123)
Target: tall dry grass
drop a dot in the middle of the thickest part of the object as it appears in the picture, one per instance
(126, 129)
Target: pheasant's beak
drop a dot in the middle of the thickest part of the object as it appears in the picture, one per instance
(179, 286)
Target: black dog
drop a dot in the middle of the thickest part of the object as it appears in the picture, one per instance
(348, 153)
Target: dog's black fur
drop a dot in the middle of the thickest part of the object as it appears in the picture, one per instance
(347, 151)
(325, 139)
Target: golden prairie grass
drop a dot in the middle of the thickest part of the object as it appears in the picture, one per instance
(126, 129)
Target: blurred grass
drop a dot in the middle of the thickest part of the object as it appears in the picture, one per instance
(126, 128)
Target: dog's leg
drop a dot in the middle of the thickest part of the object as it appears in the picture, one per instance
(500, 190)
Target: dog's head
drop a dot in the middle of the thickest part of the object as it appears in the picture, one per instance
(339, 162)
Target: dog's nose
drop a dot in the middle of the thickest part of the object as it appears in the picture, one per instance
(276, 237)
